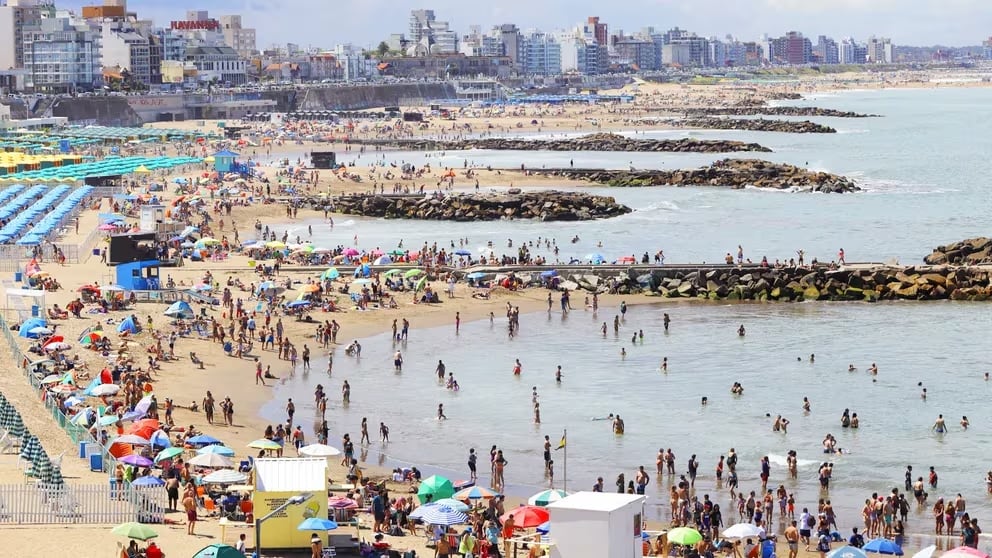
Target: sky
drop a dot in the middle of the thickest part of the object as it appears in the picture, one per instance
(325, 23)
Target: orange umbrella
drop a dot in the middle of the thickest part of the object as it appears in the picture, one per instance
(119, 450)
(144, 427)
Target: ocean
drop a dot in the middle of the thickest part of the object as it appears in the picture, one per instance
(923, 165)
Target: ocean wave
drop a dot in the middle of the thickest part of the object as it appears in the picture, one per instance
(781, 461)
(858, 131)
(660, 206)
(896, 187)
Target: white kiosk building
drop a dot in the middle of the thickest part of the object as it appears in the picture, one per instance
(588, 524)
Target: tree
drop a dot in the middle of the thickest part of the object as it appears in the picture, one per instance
(382, 49)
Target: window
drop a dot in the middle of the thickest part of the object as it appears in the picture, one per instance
(637, 525)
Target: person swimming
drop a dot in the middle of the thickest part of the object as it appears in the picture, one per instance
(740, 331)
(609, 417)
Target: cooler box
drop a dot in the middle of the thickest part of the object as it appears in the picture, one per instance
(35, 312)
(18, 277)
(96, 462)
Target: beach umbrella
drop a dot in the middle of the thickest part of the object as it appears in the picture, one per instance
(132, 439)
(219, 550)
(52, 378)
(350, 252)
(225, 476)
(275, 245)
(420, 284)
(545, 497)
(319, 450)
(55, 478)
(218, 450)
(30, 448)
(527, 517)
(596, 258)
(264, 444)
(882, 546)
(463, 252)
(440, 515)
(413, 273)
(136, 460)
(685, 536)
(134, 530)
(741, 531)
(160, 439)
(451, 503)
(330, 273)
(211, 460)
(392, 272)
(362, 282)
(16, 426)
(310, 288)
(475, 275)
(341, 503)
(926, 552)
(148, 481)
(964, 552)
(168, 453)
(41, 467)
(474, 493)
(317, 524)
(396, 252)
(107, 420)
(544, 528)
(40, 330)
(437, 487)
(847, 552)
(202, 440)
(104, 389)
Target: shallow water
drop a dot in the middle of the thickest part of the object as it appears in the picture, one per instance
(924, 166)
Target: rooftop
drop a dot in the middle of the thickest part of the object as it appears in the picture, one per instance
(596, 501)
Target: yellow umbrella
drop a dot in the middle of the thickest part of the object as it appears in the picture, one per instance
(142, 169)
(275, 244)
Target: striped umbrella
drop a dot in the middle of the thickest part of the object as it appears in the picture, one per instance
(7, 415)
(41, 468)
(55, 478)
(16, 426)
(30, 448)
(441, 515)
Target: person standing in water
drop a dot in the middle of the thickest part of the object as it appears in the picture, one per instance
(938, 425)
(667, 321)
(440, 412)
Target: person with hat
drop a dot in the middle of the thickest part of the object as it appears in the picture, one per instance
(467, 544)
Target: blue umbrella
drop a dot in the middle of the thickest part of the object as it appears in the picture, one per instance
(462, 252)
(148, 481)
(298, 303)
(439, 515)
(847, 552)
(476, 275)
(219, 450)
(544, 528)
(203, 440)
(550, 273)
(316, 524)
(882, 546)
(596, 258)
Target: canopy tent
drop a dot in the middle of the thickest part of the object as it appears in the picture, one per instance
(25, 298)
(180, 309)
(127, 325)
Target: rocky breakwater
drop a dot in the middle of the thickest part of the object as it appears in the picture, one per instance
(774, 111)
(728, 173)
(755, 125)
(822, 283)
(972, 251)
(545, 206)
(592, 142)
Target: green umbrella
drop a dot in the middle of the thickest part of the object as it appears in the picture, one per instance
(392, 272)
(41, 468)
(168, 453)
(685, 536)
(133, 530)
(396, 252)
(16, 426)
(218, 550)
(420, 284)
(55, 479)
(30, 448)
(413, 273)
(437, 487)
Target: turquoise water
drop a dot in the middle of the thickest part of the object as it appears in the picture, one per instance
(924, 165)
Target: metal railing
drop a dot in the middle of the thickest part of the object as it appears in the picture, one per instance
(37, 504)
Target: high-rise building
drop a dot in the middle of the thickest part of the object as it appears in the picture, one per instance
(987, 48)
(429, 36)
(61, 57)
(579, 53)
(540, 54)
(15, 16)
(850, 52)
(510, 39)
(124, 47)
(420, 20)
(792, 48)
(636, 53)
(238, 37)
(880, 51)
(599, 31)
(826, 50)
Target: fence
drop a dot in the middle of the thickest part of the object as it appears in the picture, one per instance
(12, 256)
(29, 504)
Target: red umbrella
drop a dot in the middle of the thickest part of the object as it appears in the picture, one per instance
(144, 428)
(54, 339)
(525, 517)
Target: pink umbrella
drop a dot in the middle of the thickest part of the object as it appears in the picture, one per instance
(376, 253)
(341, 503)
(106, 227)
(350, 252)
(964, 552)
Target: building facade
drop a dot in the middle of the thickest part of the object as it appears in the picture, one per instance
(15, 17)
(987, 48)
(850, 52)
(880, 51)
(123, 47)
(241, 39)
(792, 48)
(61, 57)
(219, 64)
(540, 54)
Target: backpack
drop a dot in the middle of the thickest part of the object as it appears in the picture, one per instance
(810, 521)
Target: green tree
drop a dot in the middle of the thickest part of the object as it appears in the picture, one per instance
(382, 49)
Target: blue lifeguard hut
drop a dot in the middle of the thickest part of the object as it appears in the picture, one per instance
(139, 276)
(224, 161)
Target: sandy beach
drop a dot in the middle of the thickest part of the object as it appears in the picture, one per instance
(229, 376)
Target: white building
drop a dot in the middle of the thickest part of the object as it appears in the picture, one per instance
(124, 47)
(540, 54)
(353, 63)
(850, 52)
(880, 51)
(221, 64)
(241, 39)
(61, 57)
(15, 16)
(603, 524)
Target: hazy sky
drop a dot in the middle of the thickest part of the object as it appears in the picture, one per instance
(363, 22)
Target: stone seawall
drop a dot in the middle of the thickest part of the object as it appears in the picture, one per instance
(361, 97)
(754, 283)
(753, 125)
(729, 173)
(104, 111)
(972, 251)
(545, 206)
(773, 111)
(592, 142)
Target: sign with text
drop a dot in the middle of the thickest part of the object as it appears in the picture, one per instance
(203, 25)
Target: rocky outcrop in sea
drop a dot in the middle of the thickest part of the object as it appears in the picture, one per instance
(592, 142)
(772, 111)
(544, 205)
(971, 251)
(754, 125)
(727, 173)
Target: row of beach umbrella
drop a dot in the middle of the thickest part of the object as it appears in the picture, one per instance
(111, 166)
(56, 218)
(41, 466)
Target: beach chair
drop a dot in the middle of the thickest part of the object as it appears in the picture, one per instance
(6, 443)
(57, 461)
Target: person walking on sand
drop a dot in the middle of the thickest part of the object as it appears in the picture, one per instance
(258, 372)
(189, 504)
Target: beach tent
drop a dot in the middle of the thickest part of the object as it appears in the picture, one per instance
(383, 260)
(127, 325)
(30, 324)
(363, 271)
(180, 309)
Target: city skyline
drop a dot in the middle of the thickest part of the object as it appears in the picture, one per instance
(910, 22)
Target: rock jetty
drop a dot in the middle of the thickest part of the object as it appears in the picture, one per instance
(592, 142)
(728, 173)
(791, 284)
(773, 111)
(755, 125)
(544, 205)
(972, 251)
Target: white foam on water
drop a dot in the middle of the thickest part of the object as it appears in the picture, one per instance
(781, 461)
(856, 131)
